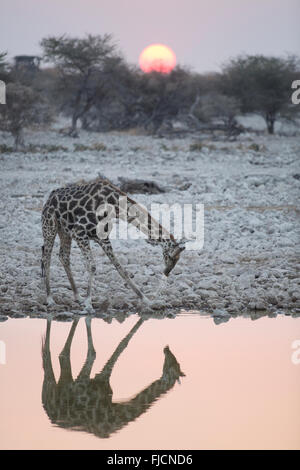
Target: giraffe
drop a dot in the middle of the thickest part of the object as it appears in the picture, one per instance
(72, 212)
(86, 404)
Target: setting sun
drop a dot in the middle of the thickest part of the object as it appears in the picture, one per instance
(157, 58)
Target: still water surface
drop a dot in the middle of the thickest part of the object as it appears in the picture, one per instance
(88, 384)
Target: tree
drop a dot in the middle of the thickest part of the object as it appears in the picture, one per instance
(218, 107)
(164, 96)
(261, 84)
(24, 107)
(134, 99)
(82, 64)
(112, 98)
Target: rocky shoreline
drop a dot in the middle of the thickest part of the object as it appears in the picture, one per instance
(248, 265)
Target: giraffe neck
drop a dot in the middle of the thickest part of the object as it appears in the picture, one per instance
(147, 396)
(133, 213)
(144, 400)
(139, 217)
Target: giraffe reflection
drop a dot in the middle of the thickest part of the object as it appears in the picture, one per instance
(86, 404)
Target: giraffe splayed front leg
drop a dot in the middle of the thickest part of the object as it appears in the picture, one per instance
(107, 248)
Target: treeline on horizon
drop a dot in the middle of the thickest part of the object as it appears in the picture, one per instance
(88, 80)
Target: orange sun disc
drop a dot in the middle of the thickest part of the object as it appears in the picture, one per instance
(157, 58)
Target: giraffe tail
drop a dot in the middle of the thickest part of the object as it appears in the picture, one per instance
(42, 264)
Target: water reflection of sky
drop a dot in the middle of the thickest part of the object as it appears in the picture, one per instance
(240, 389)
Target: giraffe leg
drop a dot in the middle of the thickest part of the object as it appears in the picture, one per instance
(64, 357)
(84, 245)
(107, 248)
(46, 354)
(91, 353)
(49, 233)
(64, 256)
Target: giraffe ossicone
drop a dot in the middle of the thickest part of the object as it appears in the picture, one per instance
(75, 212)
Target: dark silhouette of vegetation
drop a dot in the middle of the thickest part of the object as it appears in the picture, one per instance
(87, 80)
(261, 85)
(24, 108)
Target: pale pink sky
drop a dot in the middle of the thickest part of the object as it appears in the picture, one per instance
(203, 34)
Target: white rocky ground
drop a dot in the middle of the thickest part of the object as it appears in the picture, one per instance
(248, 264)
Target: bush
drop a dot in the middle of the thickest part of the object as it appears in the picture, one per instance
(24, 107)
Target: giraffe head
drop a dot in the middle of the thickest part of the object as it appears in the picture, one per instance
(171, 254)
(171, 366)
